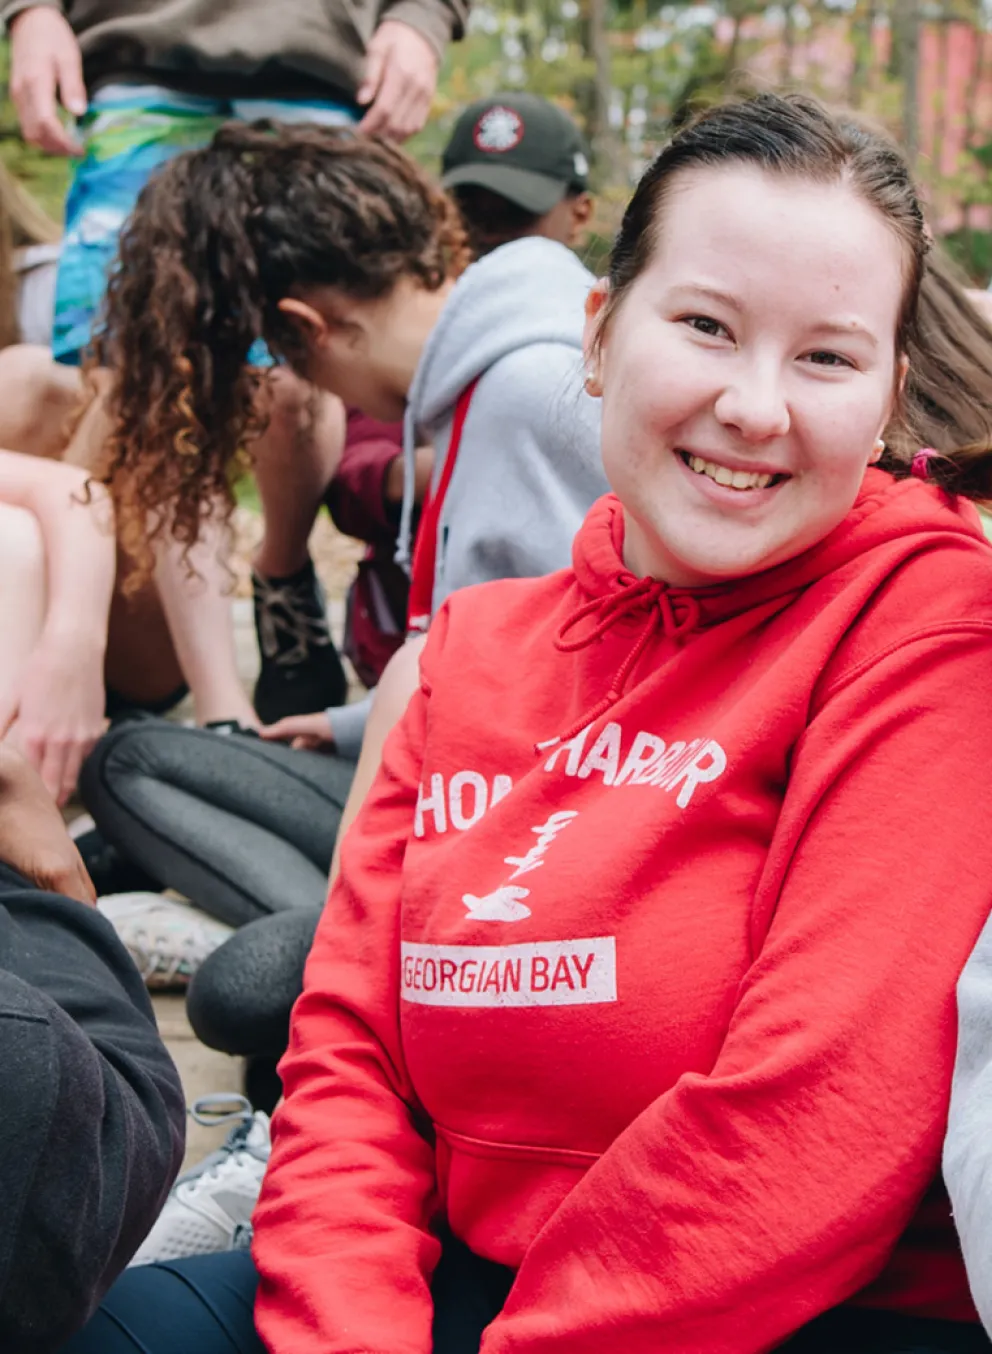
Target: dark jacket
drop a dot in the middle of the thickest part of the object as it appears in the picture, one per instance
(241, 49)
(91, 1114)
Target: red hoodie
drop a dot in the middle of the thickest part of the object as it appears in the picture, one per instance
(663, 1015)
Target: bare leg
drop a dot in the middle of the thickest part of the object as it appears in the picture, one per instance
(392, 696)
(22, 591)
(295, 460)
(38, 398)
(141, 664)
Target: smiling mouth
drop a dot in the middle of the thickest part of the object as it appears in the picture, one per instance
(741, 480)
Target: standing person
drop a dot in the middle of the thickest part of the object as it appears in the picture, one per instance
(628, 949)
(146, 81)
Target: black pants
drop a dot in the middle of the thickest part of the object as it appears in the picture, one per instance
(203, 1305)
(243, 828)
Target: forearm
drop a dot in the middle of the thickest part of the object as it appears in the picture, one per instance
(198, 609)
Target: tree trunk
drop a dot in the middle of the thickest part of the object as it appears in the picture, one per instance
(906, 23)
(599, 93)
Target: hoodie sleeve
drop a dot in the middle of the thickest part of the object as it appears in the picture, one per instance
(439, 21)
(91, 1134)
(342, 1238)
(968, 1148)
(356, 496)
(745, 1202)
(528, 470)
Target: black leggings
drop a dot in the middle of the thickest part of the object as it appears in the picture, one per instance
(241, 827)
(204, 1305)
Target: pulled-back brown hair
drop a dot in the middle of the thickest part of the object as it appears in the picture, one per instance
(219, 236)
(948, 393)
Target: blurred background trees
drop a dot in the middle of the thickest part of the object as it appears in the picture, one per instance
(628, 68)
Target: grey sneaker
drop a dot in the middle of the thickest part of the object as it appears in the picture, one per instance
(210, 1206)
(168, 940)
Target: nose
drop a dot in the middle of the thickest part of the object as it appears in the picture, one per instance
(754, 404)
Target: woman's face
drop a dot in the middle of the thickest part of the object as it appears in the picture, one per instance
(366, 351)
(748, 372)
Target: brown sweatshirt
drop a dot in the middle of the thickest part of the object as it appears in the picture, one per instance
(241, 48)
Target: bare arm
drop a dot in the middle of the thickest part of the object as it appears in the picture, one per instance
(56, 702)
(392, 696)
(198, 610)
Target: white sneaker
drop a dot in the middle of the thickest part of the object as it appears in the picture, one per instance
(210, 1206)
(168, 940)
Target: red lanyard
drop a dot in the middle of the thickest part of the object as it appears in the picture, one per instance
(418, 616)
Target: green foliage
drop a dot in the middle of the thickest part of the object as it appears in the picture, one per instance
(46, 176)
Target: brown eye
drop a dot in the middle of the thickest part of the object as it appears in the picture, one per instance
(704, 324)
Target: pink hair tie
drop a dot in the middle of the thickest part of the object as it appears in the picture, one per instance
(921, 462)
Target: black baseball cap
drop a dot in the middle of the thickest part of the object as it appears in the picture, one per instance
(519, 146)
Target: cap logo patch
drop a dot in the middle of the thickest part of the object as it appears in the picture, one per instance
(498, 130)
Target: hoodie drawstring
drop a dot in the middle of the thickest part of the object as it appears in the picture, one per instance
(676, 614)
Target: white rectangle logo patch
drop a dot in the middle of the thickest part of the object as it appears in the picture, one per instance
(545, 973)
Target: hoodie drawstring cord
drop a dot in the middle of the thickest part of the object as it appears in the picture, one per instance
(662, 609)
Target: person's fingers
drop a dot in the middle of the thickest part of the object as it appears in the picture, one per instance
(375, 62)
(411, 114)
(69, 74)
(51, 761)
(378, 119)
(281, 729)
(57, 140)
(8, 713)
(70, 770)
(68, 875)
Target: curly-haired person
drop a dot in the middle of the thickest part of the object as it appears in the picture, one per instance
(146, 81)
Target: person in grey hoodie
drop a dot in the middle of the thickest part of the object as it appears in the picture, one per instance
(362, 287)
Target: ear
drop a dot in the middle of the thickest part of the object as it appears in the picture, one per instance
(582, 208)
(593, 336)
(308, 320)
(902, 370)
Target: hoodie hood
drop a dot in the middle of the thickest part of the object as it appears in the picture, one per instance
(530, 292)
(891, 520)
(901, 517)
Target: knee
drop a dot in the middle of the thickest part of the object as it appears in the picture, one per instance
(22, 548)
(241, 998)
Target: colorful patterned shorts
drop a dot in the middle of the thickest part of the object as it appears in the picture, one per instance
(128, 132)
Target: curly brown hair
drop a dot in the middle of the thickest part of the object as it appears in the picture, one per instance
(218, 237)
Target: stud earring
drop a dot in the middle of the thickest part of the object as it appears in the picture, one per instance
(592, 385)
(878, 450)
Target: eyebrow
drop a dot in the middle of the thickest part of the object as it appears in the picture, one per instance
(851, 329)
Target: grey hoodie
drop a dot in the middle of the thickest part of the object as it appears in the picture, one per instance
(529, 466)
(968, 1148)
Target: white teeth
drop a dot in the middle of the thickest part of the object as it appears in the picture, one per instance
(735, 479)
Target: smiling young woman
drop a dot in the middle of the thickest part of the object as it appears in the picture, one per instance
(626, 1096)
